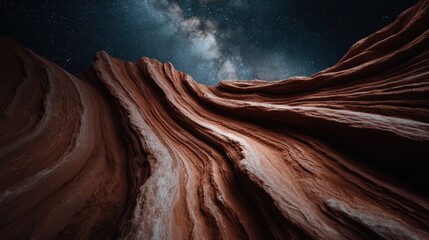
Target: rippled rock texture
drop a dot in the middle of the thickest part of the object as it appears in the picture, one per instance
(139, 150)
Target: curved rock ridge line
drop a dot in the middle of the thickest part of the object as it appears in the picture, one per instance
(139, 150)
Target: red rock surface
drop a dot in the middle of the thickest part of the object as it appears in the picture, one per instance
(141, 151)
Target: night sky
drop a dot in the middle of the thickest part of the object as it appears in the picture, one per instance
(209, 39)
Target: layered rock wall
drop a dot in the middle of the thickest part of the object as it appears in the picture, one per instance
(139, 150)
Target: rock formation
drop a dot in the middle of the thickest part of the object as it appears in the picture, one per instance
(139, 150)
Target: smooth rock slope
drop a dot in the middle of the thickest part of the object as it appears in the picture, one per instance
(139, 150)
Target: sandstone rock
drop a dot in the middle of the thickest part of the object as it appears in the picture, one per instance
(139, 150)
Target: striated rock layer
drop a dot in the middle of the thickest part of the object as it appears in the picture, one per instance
(141, 151)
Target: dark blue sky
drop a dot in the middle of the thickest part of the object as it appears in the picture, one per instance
(209, 39)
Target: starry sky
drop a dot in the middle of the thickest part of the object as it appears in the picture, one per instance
(209, 39)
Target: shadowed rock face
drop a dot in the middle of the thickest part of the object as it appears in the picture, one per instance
(141, 151)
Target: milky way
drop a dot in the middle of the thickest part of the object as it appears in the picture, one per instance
(211, 40)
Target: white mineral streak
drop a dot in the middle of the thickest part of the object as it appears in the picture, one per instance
(273, 181)
(253, 153)
(154, 206)
(385, 226)
(404, 127)
(153, 214)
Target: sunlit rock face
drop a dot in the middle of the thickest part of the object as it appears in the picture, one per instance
(139, 150)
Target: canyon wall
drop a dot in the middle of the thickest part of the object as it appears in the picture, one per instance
(139, 150)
